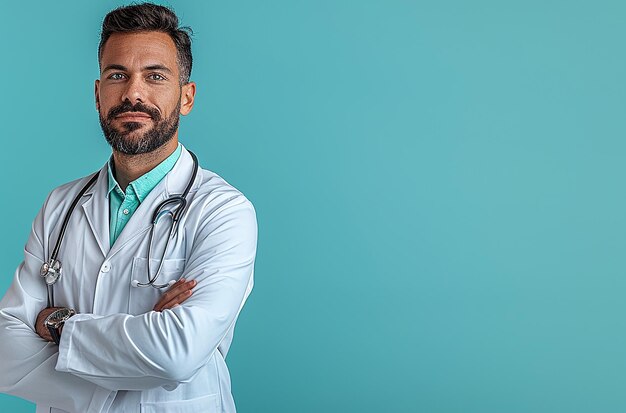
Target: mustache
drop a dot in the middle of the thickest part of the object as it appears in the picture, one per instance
(126, 106)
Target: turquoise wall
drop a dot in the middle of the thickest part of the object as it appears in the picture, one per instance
(438, 188)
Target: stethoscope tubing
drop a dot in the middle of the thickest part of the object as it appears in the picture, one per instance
(55, 252)
(54, 266)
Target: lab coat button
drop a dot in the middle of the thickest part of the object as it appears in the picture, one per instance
(105, 267)
(125, 212)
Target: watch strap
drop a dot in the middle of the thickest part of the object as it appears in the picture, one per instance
(54, 332)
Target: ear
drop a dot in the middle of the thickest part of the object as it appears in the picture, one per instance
(97, 93)
(188, 94)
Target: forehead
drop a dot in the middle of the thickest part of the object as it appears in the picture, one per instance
(139, 49)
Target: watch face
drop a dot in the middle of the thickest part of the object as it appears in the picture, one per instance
(59, 316)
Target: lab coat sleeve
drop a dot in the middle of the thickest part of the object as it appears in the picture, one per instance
(122, 351)
(28, 362)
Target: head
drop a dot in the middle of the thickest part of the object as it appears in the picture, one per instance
(145, 63)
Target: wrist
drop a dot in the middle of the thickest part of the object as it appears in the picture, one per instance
(55, 321)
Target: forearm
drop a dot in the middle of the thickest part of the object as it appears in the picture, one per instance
(27, 371)
(107, 351)
(124, 352)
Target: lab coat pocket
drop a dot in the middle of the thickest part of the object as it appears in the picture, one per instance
(204, 404)
(143, 299)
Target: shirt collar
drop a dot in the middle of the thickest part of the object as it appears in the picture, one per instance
(146, 182)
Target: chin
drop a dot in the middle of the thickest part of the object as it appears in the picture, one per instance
(132, 126)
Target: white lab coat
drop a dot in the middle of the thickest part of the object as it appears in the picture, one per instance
(117, 354)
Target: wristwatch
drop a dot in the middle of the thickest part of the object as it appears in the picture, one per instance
(55, 321)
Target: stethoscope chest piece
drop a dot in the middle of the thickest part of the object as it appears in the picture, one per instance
(51, 271)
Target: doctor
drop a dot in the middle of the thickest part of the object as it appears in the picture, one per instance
(125, 345)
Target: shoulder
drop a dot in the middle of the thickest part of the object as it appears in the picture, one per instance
(71, 188)
(219, 210)
(222, 218)
(214, 194)
(62, 196)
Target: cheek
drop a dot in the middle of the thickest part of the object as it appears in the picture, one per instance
(168, 99)
(107, 100)
(112, 91)
(104, 109)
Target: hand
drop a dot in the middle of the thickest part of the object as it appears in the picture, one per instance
(40, 327)
(177, 293)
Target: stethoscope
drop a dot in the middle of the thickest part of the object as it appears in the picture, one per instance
(51, 269)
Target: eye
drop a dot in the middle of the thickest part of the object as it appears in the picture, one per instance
(116, 76)
(156, 76)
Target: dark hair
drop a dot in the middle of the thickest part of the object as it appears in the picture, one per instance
(150, 17)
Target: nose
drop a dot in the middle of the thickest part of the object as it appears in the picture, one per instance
(134, 91)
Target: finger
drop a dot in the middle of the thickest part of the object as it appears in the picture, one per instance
(172, 295)
(179, 299)
(176, 288)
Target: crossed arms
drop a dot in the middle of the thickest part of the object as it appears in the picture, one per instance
(102, 354)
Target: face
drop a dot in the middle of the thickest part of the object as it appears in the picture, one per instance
(139, 96)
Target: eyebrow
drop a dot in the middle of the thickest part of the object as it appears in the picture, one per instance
(124, 68)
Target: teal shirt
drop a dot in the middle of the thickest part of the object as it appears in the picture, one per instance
(123, 205)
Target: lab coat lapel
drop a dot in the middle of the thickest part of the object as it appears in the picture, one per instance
(97, 210)
(141, 220)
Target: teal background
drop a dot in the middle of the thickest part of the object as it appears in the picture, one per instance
(439, 190)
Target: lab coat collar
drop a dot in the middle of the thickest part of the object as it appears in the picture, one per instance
(97, 206)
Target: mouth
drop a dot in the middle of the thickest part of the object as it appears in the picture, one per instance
(133, 117)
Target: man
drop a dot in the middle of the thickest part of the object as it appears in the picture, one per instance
(124, 343)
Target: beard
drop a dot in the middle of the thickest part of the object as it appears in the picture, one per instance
(153, 138)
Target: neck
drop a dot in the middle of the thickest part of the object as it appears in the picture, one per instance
(130, 167)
